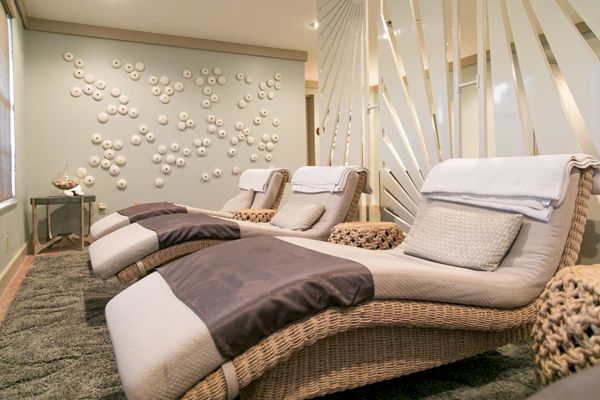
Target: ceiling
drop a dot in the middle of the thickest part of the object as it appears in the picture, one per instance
(271, 23)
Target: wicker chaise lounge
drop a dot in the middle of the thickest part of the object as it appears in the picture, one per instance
(270, 198)
(340, 349)
(108, 255)
(216, 325)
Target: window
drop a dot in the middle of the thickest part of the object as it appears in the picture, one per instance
(7, 139)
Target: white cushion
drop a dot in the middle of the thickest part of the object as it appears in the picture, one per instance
(468, 239)
(239, 202)
(298, 215)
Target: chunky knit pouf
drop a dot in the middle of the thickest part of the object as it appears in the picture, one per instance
(368, 235)
(254, 214)
(567, 330)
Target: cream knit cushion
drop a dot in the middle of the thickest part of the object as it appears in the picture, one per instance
(298, 215)
(466, 239)
(239, 202)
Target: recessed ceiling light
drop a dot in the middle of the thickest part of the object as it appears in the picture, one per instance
(314, 24)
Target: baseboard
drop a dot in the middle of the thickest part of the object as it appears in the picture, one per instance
(13, 266)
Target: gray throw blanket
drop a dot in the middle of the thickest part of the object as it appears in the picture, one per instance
(248, 289)
(147, 210)
(173, 229)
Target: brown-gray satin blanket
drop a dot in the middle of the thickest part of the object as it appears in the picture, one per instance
(147, 210)
(173, 229)
(247, 289)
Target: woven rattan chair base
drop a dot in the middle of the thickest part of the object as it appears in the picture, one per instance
(567, 330)
(254, 214)
(332, 351)
(367, 235)
(342, 349)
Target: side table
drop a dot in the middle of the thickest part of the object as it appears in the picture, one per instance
(254, 214)
(52, 200)
(368, 235)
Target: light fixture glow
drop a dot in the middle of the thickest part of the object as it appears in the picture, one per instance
(314, 24)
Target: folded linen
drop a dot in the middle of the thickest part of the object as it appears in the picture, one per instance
(533, 186)
(256, 179)
(325, 179)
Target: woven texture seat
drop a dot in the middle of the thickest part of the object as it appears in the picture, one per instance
(367, 235)
(254, 214)
(567, 330)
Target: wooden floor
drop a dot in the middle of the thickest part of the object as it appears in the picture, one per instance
(8, 295)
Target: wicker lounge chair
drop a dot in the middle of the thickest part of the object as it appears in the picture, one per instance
(344, 208)
(340, 349)
(269, 199)
(343, 348)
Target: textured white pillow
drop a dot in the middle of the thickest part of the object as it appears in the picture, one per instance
(297, 215)
(469, 239)
(239, 202)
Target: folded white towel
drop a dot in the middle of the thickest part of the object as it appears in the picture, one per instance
(257, 179)
(532, 186)
(325, 179)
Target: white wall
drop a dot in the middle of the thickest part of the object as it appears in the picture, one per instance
(13, 221)
(60, 126)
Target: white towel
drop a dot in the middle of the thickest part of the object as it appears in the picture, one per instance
(257, 179)
(325, 179)
(533, 186)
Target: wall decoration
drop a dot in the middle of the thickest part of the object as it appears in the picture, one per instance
(121, 184)
(270, 95)
(111, 109)
(94, 161)
(114, 170)
(89, 180)
(68, 56)
(208, 80)
(121, 161)
(81, 172)
(274, 138)
(275, 122)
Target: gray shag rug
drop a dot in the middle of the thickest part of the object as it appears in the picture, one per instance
(54, 344)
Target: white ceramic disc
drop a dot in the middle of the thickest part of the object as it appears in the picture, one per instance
(262, 86)
(115, 92)
(249, 79)
(94, 161)
(217, 172)
(123, 99)
(97, 95)
(186, 73)
(210, 118)
(205, 177)
(206, 103)
(250, 139)
(239, 126)
(265, 137)
(133, 112)
(242, 104)
(211, 128)
(156, 90)
(120, 161)
(221, 80)
(241, 136)
(257, 120)
(217, 71)
(178, 86)
(88, 89)
(164, 80)
(205, 71)
(261, 146)
(164, 98)
(68, 56)
(174, 147)
(122, 109)
(181, 126)
(162, 119)
(201, 151)
(277, 76)
(199, 81)
(89, 180)
(268, 157)
(232, 151)
(222, 133)
(235, 170)
(162, 149)
(102, 118)
(184, 116)
(152, 80)
(186, 151)
(107, 144)
(89, 78)
(116, 63)
(207, 91)
(219, 122)
(78, 73)
(180, 162)
(150, 137)
(248, 97)
(118, 145)
(206, 142)
(114, 170)
(234, 140)
(159, 182)
(197, 142)
(214, 98)
(165, 169)
(275, 121)
(261, 95)
(190, 123)
(270, 146)
(157, 158)
(128, 67)
(111, 109)
(81, 172)
(143, 129)
(76, 91)
(105, 164)
(270, 95)
(277, 85)
(253, 157)
(170, 159)
(264, 112)
(169, 91)
(239, 76)
(121, 184)
(100, 84)
(275, 138)
(139, 66)
(136, 140)
(134, 75)
(79, 63)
